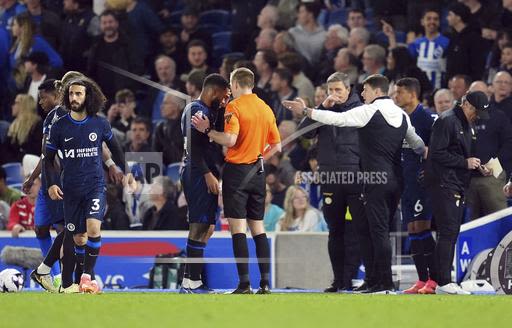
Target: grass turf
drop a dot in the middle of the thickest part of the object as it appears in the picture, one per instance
(111, 310)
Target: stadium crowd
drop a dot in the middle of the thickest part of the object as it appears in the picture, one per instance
(150, 58)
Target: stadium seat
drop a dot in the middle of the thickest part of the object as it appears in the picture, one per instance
(212, 28)
(215, 17)
(13, 173)
(338, 16)
(221, 44)
(322, 18)
(173, 172)
(17, 186)
(382, 39)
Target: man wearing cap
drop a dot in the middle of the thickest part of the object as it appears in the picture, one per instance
(448, 171)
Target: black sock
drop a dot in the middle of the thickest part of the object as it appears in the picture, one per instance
(92, 250)
(429, 249)
(263, 253)
(68, 259)
(418, 256)
(80, 262)
(54, 252)
(241, 253)
(195, 250)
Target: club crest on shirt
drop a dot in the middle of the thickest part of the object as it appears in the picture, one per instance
(227, 117)
(93, 136)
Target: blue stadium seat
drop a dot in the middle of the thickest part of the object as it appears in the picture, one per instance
(221, 44)
(382, 39)
(215, 17)
(212, 28)
(13, 173)
(173, 172)
(338, 16)
(323, 17)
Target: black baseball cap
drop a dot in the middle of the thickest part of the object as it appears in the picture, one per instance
(479, 100)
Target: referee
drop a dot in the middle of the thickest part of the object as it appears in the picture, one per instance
(250, 131)
(382, 127)
(450, 163)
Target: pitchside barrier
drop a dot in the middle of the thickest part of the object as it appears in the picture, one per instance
(488, 241)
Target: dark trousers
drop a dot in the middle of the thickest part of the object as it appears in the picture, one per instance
(448, 211)
(343, 252)
(381, 202)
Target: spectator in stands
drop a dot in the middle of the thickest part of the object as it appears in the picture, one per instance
(502, 97)
(293, 154)
(481, 86)
(115, 49)
(401, 64)
(274, 180)
(36, 67)
(168, 137)
(433, 63)
(443, 100)
(356, 18)
(299, 215)
(265, 62)
(309, 36)
(283, 43)
(281, 86)
(268, 17)
(21, 215)
(163, 215)
(115, 217)
(146, 25)
(194, 84)
(79, 27)
(7, 194)
(125, 103)
(197, 55)
(485, 195)
(484, 16)
(226, 67)
(459, 85)
(27, 41)
(169, 46)
(358, 39)
(8, 10)
(374, 61)
(506, 58)
(320, 94)
(48, 23)
(294, 63)
(272, 212)
(493, 62)
(464, 54)
(336, 39)
(191, 30)
(139, 137)
(25, 132)
(138, 202)
(346, 62)
(265, 39)
(165, 68)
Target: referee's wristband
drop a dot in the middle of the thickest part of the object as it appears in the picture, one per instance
(109, 162)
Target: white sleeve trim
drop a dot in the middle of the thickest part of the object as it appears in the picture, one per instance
(356, 117)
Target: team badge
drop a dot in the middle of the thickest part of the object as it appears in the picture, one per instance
(93, 136)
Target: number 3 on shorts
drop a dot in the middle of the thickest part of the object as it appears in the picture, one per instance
(418, 208)
(95, 204)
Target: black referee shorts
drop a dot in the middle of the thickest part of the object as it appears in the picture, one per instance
(243, 191)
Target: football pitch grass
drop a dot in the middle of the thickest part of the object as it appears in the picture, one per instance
(37, 309)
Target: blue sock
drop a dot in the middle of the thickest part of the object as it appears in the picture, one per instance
(45, 244)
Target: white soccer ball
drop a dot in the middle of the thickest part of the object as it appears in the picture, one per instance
(11, 281)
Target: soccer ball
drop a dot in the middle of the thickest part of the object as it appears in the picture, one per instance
(11, 281)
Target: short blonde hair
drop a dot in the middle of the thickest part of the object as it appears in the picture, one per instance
(243, 76)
